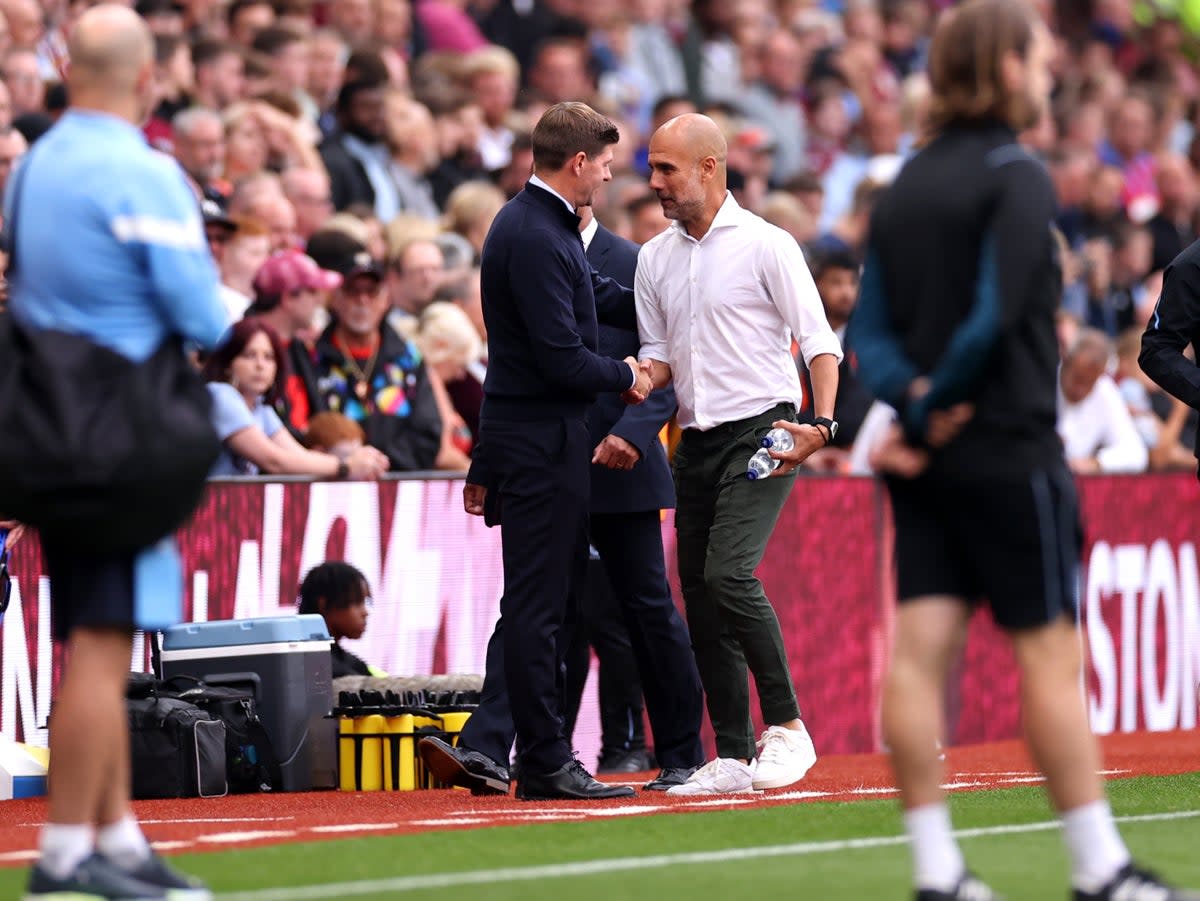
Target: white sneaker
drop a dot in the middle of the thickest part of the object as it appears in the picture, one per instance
(784, 756)
(724, 775)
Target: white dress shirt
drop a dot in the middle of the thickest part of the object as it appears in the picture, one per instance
(589, 232)
(1100, 426)
(722, 311)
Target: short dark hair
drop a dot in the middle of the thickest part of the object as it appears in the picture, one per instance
(832, 260)
(966, 60)
(274, 38)
(216, 368)
(367, 65)
(640, 202)
(805, 182)
(208, 50)
(339, 584)
(667, 100)
(236, 7)
(567, 129)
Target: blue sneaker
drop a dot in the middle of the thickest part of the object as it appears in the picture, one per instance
(95, 877)
(177, 886)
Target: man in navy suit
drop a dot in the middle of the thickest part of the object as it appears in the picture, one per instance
(530, 474)
(637, 623)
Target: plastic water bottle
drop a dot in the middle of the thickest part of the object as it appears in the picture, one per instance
(778, 440)
(761, 465)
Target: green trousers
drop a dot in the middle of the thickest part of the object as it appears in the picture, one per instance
(722, 523)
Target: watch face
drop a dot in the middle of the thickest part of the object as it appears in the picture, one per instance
(833, 427)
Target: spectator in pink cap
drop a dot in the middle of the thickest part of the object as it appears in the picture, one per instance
(289, 289)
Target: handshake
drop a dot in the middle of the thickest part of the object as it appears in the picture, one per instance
(644, 373)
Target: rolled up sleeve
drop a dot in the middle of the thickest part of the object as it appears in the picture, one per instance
(795, 295)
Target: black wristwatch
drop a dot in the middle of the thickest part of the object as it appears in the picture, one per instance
(343, 470)
(830, 425)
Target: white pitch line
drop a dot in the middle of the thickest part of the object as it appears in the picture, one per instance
(595, 867)
(16, 856)
(185, 820)
(354, 827)
(457, 821)
(170, 846)
(234, 838)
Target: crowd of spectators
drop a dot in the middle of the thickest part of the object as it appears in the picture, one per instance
(382, 136)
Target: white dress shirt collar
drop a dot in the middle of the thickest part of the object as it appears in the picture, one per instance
(537, 182)
(589, 232)
(729, 215)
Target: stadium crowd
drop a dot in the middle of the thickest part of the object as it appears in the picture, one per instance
(381, 137)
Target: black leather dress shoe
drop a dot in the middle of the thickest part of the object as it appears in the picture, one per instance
(462, 766)
(571, 782)
(669, 776)
(623, 762)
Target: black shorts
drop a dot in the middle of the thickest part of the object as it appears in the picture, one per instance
(89, 591)
(1014, 541)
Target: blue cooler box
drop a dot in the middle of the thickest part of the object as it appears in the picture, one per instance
(285, 662)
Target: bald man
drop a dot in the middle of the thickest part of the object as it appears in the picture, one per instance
(720, 295)
(138, 273)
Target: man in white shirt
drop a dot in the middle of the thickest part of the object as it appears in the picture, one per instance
(1097, 432)
(720, 295)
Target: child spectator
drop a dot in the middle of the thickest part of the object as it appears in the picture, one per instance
(340, 594)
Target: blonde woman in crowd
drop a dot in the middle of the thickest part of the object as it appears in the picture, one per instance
(470, 209)
(449, 344)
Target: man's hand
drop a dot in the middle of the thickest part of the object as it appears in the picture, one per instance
(15, 531)
(894, 456)
(642, 386)
(944, 425)
(660, 372)
(1084, 465)
(366, 464)
(830, 460)
(473, 497)
(805, 440)
(616, 453)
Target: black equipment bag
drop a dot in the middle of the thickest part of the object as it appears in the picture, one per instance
(250, 761)
(177, 750)
(250, 758)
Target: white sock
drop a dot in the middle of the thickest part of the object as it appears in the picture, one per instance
(1094, 845)
(122, 842)
(937, 861)
(64, 846)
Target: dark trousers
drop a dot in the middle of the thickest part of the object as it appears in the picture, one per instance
(630, 547)
(538, 485)
(601, 627)
(723, 521)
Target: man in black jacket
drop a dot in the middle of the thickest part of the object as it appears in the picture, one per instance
(1174, 325)
(362, 368)
(632, 621)
(356, 155)
(530, 473)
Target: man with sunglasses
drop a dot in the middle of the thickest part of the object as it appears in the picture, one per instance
(362, 368)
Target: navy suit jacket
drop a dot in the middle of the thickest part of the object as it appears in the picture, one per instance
(540, 302)
(648, 486)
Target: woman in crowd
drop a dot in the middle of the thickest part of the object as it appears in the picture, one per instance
(245, 377)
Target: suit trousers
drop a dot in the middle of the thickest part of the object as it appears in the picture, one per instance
(630, 547)
(538, 487)
(723, 521)
(601, 627)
